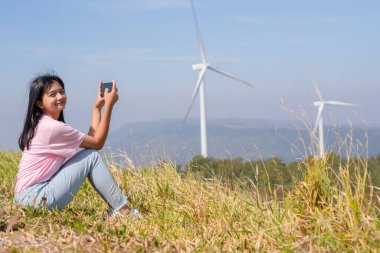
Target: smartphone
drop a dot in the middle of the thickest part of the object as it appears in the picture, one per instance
(104, 86)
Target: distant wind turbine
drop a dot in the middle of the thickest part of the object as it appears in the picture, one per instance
(199, 87)
(319, 120)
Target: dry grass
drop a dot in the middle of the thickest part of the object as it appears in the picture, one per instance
(324, 212)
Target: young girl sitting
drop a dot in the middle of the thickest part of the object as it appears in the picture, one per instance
(51, 170)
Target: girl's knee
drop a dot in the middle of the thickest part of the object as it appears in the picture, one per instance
(94, 155)
(87, 155)
(90, 152)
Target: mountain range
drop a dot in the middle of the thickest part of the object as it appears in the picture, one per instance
(172, 140)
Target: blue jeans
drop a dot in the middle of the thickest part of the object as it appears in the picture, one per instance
(60, 190)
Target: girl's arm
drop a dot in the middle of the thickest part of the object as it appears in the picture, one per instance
(100, 130)
(96, 112)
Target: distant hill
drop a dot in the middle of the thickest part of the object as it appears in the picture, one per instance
(170, 139)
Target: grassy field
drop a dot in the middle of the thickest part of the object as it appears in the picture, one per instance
(324, 211)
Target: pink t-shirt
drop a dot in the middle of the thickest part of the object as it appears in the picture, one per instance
(52, 144)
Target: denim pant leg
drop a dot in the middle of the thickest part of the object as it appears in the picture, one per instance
(34, 195)
(88, 163)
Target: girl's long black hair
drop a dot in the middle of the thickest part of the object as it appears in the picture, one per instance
(37, 87)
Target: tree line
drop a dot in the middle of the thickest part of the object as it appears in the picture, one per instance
(274, 171)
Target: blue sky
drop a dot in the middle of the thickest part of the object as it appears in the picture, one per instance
(148, 46)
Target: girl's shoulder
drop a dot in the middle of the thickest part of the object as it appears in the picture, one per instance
(56, 130)
(48, 122)
(57, 127)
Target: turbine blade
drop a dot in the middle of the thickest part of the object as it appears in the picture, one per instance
(229, 75)
(315, 85)
(317, 89)
(196, 90)
(319, 115)
(199, 35)
(339, 103)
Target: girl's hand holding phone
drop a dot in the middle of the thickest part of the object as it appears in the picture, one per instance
(110, 96)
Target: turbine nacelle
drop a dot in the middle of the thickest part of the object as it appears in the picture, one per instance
(200, 66)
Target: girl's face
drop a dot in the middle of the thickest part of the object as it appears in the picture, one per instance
(53, 101)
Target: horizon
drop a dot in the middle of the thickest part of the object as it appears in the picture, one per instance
(258, 120)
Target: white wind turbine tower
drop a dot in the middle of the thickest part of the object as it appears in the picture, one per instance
(319, 120)
(199, 87)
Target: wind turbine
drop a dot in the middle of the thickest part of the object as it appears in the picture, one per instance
(199, 87)
(319, 120)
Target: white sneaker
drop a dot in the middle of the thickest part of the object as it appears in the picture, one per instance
(133, 213)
